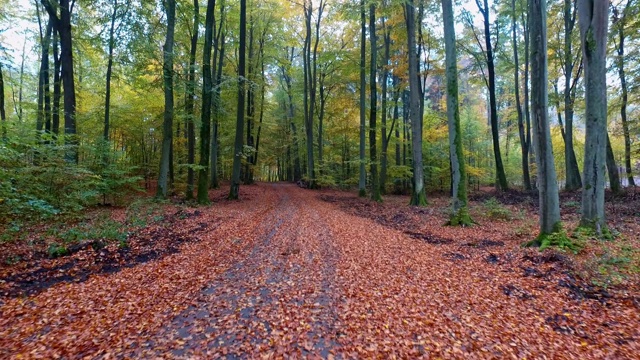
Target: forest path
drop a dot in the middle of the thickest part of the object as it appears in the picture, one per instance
(287, 274)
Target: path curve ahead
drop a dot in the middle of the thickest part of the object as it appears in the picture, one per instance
(286, 274)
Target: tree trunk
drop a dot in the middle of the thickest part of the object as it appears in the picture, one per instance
(573, 180)
(620, 24)
(167, 129)
(524, 146)
(238, 145)
(189, 108)
(107, 98)
(218, 59)
(500, 174)
(3, 114)
(593, 21)
(418, 195)
(44, 97)
(612, 169)
(57, 86)
(247, 174)
(527, 111)
(373, 107)
(385, 137)
(362, 182)
(548, 187)
(63, 26)
(460, 211)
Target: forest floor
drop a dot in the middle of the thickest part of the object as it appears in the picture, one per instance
(288, 272)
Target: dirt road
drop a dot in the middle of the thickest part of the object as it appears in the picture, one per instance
(286, 273)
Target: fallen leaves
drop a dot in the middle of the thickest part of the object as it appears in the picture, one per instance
(289, 274)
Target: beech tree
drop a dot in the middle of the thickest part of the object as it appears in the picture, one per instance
(593, 20)
(238, 145)
(373, 88)
(362, 180)
(460, 211)
(549, 209)
(418, 194)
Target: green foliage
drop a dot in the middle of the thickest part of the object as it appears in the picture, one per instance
(495, 210)
(56, 250)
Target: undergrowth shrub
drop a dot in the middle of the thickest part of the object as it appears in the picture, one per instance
(495, 210)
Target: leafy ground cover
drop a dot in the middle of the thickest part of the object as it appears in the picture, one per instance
(288, 272)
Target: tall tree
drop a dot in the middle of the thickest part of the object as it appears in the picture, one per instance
(619, 23)
(62, 25)
(107, 98)
(524, 145)
(493, 108)
(238, 145)
(547, 185)
(3, 114)
(612, 169)
(362, 180)
(573, 180)
(373, 105)
(593, 20)
(310, 66)
(189, 107)
(460, 210)
(219, 38)
(167, 127)
(384, 94)
(418, 194)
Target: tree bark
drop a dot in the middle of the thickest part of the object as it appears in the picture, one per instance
(593, 21)
(524, 146)
(620, 22)
(57, 86)
(418, 195)
(548, 187)
(189, 105)
(612, 169)
(238, 145)
(385, 137)
(167, 128)
(573, 179)
(63, 26)
(3, 114)
(362, 180)
(460, 211)
(493, 108)
(373, 106)
(107, 98)
(218, 64)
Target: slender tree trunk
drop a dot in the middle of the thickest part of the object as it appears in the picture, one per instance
(57, 86)
(63, 26)
(3, 114)
(524, 146)
(238, 145)
(460, 211)
(612, 169)
(167, 129)
(527, 112)
(218, 58)
(500, 174)
(573, 181)
(373, 106)
(189, 106)
(418, 195)
(44, 96)
(247, 174)
(107, 98)
(620, 49)
(548, 187)
(385, 137)
(593, 21)
(362, 182)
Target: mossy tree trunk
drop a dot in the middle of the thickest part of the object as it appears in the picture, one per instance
(593, 21)
(460, 211)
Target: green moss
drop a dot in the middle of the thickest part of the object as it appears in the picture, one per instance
(557, 239)
(419, 199)
(362, 193)
(461, 218)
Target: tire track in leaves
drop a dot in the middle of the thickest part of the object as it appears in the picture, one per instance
(278, 300)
